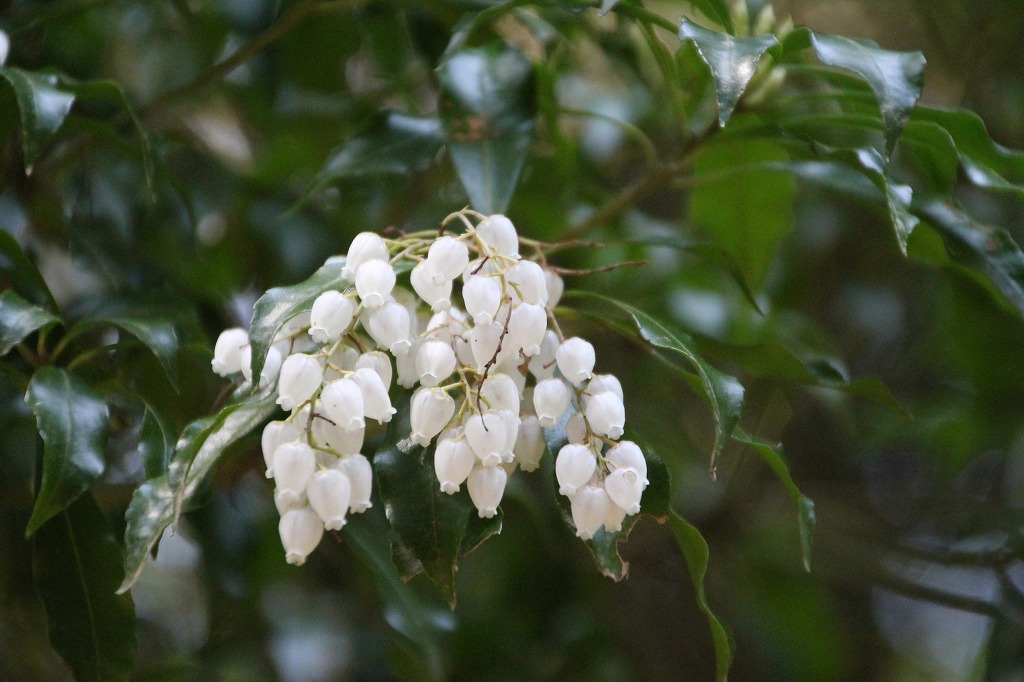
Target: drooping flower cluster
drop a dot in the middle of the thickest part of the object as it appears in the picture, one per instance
(487, 377)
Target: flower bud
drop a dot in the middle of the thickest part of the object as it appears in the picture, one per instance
(575, 360)
(5, 46)
(550, 400)
(605, 382)
(276, 434)
(527, 327)
(271, 366)
(625, 487)
(333, 437)
(574, 466)
(301, 376)
(606, 414)
(555, 288)
(341, 401)
(498, 232)
(484, 340)
(374, 281)
(435, 361)
(542, 365)
(487, 435)
(330, 317)
(529, 284)
(329, 492)
(300, 530)
(227, 353)
(360, 476)
(576, 429)
(406, 366)
(590, 507)
(444, 325)
(365, 247)
(486, 487)
(389, 327)
(628, 454)
(447, 258)
(453, 460)
(482, 296)
(294, 464)
(500, 392)
(287, 502)
(411, 303)
(529, 447)
(511, 420)
(430, 412)
(616, 515)
(376, 402)
(378, 362)
(436, 295)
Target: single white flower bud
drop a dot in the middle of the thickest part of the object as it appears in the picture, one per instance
(576, 429)
(453, 460)
(447, 258)
(374, 281)
(590, 507)
(430, 412)
(443, 325)
(511, 420)
(436, 295)
(499, 233)
(365, 247)
(529, 447)
(5, 46)
(616, 515)
(550, 400)
(435, 361)
(482, 296)
(378, 362)
(486, 487)
(500, 392)
(605, 382)
(360, 477)
(406, 366)
(625, 486)
(574, 466)
(330, 317)
(329, 493)
(389, 327)
(487, 435)
(333, 437)
(555, 288)
(411, 302)
(341, 401)
(376, 402)
(606, 414)
(529, 284)
(483, 341)
(542, 365)
(301, 376)
(300, 530)
(628, 454)
(227, 353)
(575, 360)
(286, 502)
(271, 366)
(276, 434)
(527, 328)
(294, 464)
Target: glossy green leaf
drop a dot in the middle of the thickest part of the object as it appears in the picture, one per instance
(76, 568)
(732, 60)
(42, 108)
(17, 271)
(200, 449)
(487, 109)
(73, 422)
(18, 319)
(280, 304)
(156, 442)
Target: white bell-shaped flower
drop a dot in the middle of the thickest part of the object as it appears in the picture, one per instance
(555, 288)
(411, 302)
(341, 401)
(575, 360)
(453, 460)
(527, 328)
(406, 366)
(487, 435)
(529, 447)
(5, 46)
(447, 258)
(286, 502)
(574, 466)
(550, 401)
(374, 281)
(482, 296)
(276, 434)
(500, 392)
(628, 454)
(429, 413)
(511, 420)
(435, 361)
(435, 294)
(294, 464)
(332, 437)
(484, 340)
(542, 365)
(227, 352)
(365, 247)
(389, 327)
(576, 429)
(616, 515)
(443, 325)
(625, 486)
(301, 376)
(377, 361)
(360, 477)
(590, 507)
(606, 414)
(376, 402)
(605, 382)
(499, 233)
(300, 530)
(529, 284)
(330, 317)
(271, 366)
(329, 493)
(486, 487)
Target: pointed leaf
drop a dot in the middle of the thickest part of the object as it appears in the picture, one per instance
(73, 422)
(156, 442)
(18, 319)
(42, 108)
(487, 109)
(19, 272)
(732, 60)
(76, 568)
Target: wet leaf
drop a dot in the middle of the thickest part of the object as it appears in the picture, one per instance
(18, 319)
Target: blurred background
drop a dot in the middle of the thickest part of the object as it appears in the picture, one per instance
(917, 571)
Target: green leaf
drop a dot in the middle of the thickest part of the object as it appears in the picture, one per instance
(715, 10)
(76, 568)
(487, 109)
(18, 319)
(42, 107)
(281, 304)
(157, 502)
(156, 442)
(430, 524)
(73, 422)
(20, 273)
(732, 60)
(695, 550)
(895, 77)
(776, 461)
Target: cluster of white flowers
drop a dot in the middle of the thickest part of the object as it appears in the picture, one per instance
(470, 367)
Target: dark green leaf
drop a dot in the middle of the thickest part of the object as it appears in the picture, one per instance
(487, 109)
(715, 10)
(76, 568)
(156, 442)
(73, 422)
(20, 273)
(18, 319)
(157, 502)
(42, 108)
(732, 60)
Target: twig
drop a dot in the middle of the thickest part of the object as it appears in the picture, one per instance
(603, 268)
(494, 359)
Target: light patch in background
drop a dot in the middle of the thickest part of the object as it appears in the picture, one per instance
(703, 311)
(311, 640)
